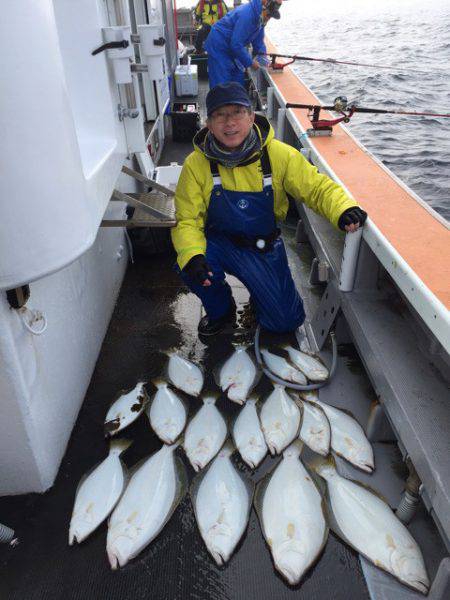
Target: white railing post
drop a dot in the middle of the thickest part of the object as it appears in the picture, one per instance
(350, 260)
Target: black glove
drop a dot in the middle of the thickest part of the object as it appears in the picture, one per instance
(352, 215)
(198, 269)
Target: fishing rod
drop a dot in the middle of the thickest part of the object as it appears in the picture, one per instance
(277, 66)
(342, 106)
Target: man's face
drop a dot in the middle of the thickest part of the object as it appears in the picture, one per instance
(231, 124)
(267, 4)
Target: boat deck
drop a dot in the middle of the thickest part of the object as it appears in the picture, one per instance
(156, 313)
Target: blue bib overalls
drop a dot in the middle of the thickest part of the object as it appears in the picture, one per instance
(236, 220)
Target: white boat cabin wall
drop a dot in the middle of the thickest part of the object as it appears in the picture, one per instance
(68, 127)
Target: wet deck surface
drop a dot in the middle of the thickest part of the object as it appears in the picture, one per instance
(154, 313)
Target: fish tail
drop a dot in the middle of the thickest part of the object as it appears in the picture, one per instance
(210, 398)
(178, 442)
(295, 448)
(159, 382)
(321, 464)
(227, 449)
(311, 396)
(117, 446)
(253, 399)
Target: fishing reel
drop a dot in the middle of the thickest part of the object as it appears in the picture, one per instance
(340, 104)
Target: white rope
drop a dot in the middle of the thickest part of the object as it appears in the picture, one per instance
(31, 318)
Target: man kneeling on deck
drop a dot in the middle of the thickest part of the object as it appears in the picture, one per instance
(231, 192)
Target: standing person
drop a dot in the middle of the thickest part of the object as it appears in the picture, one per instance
(207, 12)
(228, 56)
(231, 193)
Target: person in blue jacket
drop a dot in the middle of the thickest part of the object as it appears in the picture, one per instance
(228, 56)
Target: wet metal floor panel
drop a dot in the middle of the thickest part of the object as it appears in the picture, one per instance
(153, 314)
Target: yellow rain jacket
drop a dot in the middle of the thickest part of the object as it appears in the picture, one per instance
(291, 174)
(210, 13)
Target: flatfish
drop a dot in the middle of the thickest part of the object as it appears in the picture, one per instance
(126, 409)
(312, 367)
(98, 492)
(280, 419)
(167, 413)
(290, 510)
(238, 375)
(148, 502)
(315, 431)
(205, 434)
(248, 436)
(184, 374)
(282, 368)
(222, 501)
(348, 439)
(365, 521)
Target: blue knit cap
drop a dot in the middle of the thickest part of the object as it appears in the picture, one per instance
(226, 93)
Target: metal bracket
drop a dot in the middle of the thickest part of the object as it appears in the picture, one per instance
(147, 181)
(138, 204)
(326, 314)
(323, 132)
(127, 113)
(320, 272)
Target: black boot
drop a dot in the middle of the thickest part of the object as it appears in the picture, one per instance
(209, 326)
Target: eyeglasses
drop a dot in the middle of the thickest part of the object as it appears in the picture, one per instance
(222, 116)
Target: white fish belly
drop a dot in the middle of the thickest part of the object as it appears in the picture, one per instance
(185, 375)
(237, 376)
(248, 436)
(280, 367)
(222, 508)
(143, 509)
(311, 367)
(96, 497)
(167, 415)
(315, 430)
(348, 438)
(280, 420)
(293, 521)
(373, 529)
(204, 436)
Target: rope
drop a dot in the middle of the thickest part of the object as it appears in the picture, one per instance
(32, 317)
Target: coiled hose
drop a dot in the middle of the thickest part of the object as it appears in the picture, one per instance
(289, 384)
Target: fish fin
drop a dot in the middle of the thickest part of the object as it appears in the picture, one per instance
(260, 491)
(118, 446)
(369, 470)
(195, 486)
(183, 480)
(369, 489)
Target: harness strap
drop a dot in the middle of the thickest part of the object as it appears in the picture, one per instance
(265, 166)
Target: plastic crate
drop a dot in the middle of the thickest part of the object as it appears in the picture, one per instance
(201, 60)
(185, 121)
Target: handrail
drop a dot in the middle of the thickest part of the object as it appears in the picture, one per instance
(431, 310)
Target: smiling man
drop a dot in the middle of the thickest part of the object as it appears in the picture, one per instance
(231, 193)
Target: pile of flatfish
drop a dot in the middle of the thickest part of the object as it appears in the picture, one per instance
(296, 502)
